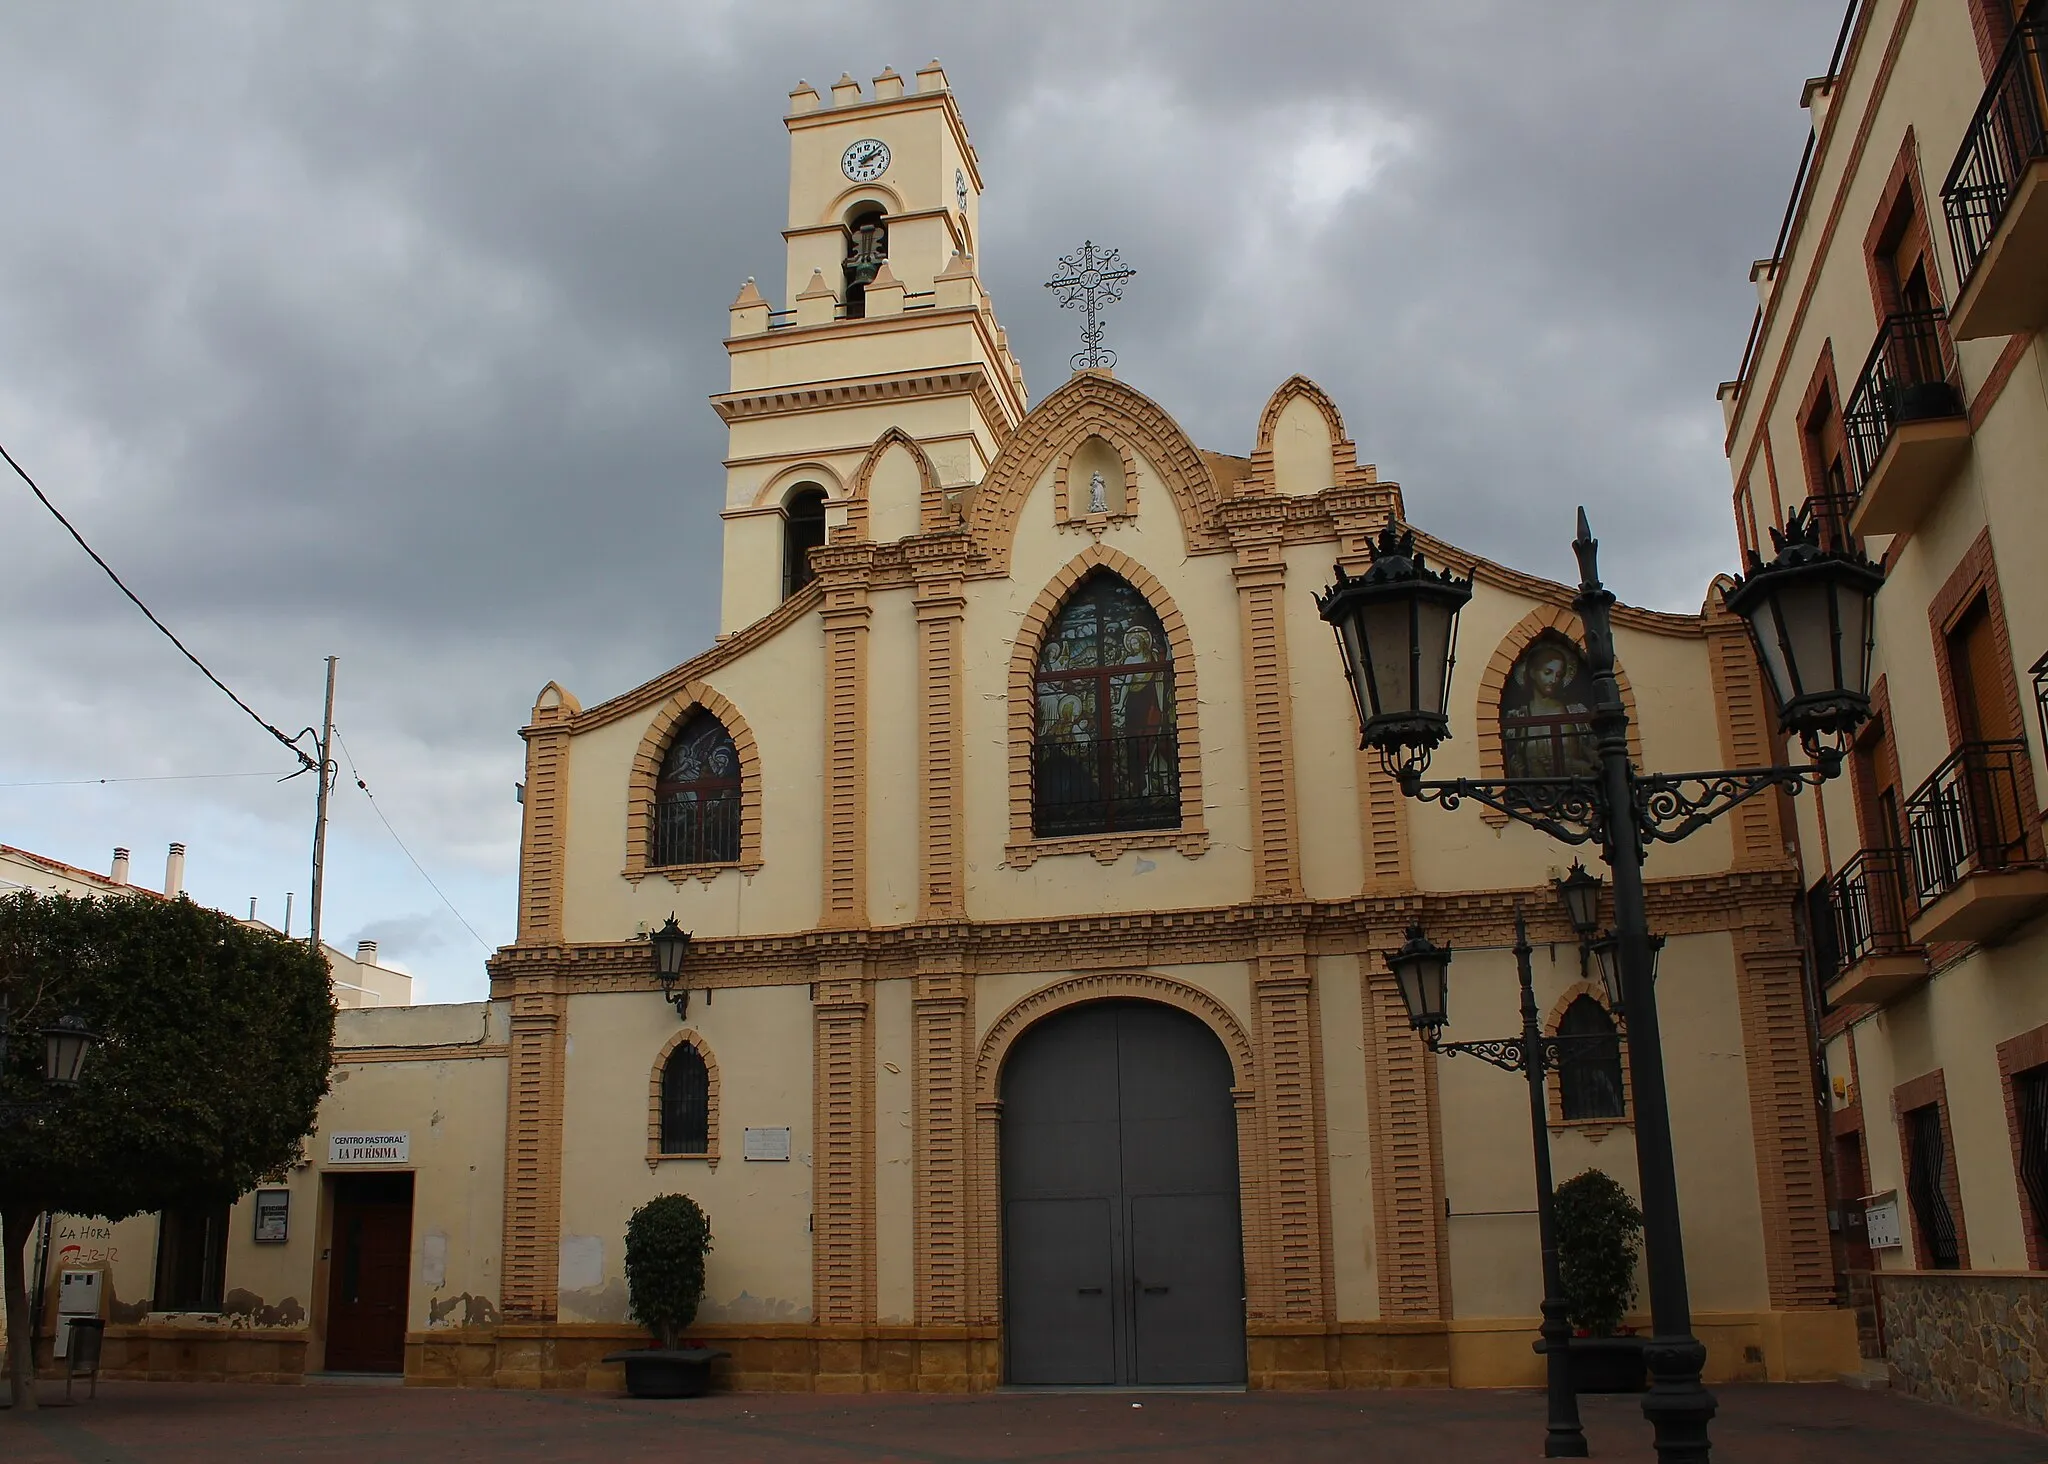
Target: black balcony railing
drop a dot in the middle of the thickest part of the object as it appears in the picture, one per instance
(1967, 818)
(1830, 514)
(1910, 377)
(697, 830)
(1869, 898)
(2008, 132)
(1106, 784)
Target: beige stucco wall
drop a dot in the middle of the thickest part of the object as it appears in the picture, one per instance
(453, 1107)
(760, 1037)
(1925, 60)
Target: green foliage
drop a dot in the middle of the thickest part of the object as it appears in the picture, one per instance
(666, 1241)
(215, 1041)
(1599, 1237)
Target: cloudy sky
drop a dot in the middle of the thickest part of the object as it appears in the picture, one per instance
(384, 331)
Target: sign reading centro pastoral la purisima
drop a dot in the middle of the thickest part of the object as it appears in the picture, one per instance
(369, 1148)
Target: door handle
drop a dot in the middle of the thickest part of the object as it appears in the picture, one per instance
(1090, 1291)
(1157, 1290)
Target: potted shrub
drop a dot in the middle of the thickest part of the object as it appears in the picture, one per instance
(666, 1241)
(1599, 1237)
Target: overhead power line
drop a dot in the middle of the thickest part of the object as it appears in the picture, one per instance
(152, 778)
(305, 761)
(342, 742)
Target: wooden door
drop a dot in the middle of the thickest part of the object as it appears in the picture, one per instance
(369, 1273)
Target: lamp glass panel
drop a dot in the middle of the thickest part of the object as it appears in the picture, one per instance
(1581, 899)
(1763, 619)
(64, 1054)
(1384, 627)
(1809, 625)
(1354, 665)
(1436, 622)
(1854, 608)
(1607, 959)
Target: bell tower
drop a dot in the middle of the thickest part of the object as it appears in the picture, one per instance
(883, 324)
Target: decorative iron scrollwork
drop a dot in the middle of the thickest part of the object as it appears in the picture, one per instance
(1569, 809)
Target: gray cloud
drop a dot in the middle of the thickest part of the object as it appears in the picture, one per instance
(386, 330)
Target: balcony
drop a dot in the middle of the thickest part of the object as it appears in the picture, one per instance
(1907, 428)
(1975, 875)
(1996, 196)
(1878, 960)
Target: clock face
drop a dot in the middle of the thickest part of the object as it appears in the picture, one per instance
(866, 159)
(960, 188)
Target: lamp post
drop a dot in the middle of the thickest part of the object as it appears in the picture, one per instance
(66, 1044)
(1420, 970)
(1808, 611)
(671, 943)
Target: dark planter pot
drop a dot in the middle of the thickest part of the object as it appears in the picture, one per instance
(654, 1372)
(1608, 1365)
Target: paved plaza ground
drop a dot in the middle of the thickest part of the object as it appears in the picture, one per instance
(167, 1423)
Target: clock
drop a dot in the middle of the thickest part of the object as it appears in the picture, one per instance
(865, 160)
(960, 189)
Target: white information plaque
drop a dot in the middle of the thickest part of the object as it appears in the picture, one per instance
(369, 1148)
(766, 1145)
(1881, 1220)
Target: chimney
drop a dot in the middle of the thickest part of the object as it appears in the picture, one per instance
(174, 871)
(366, 953)
(120, 866)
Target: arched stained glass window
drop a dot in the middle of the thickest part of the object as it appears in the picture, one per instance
(1105, 757)
(1589, 1078)
(685, 1102)
(697, 797)
(1546, 716)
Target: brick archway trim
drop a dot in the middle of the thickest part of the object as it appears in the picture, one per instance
(1192, 837)
(647, 769)
(655, 1153)
(1494, 681)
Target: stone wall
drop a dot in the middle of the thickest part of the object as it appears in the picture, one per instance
(1973, 1340)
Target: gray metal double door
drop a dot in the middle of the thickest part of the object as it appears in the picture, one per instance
(1123, 1258)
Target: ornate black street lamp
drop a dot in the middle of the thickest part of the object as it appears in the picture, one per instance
(66, 1044)
(1809, 611)
(1420, 970)
(671, 943)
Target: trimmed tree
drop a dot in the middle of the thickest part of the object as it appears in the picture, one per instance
(1599, 1238)
(666, 1241)
(214, 1045)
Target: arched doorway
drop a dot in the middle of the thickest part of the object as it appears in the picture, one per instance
(1123, 1257)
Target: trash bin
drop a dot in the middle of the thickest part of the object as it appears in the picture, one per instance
(84, 1352)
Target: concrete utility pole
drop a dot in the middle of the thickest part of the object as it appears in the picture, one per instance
(326, 751)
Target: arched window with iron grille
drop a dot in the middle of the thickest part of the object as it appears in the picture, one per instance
(685, 1102)
(1106, 757)
(697, 796)
(1589, 1076)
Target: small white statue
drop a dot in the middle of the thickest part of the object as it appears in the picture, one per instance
(1098, 495)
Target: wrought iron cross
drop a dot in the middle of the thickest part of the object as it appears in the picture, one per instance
(1088, 281)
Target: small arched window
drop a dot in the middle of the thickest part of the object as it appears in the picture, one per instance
(1546, 712)
(803, 529)
(685, 1102)
(1589, 1078)
(1106, 757)
(697, 797)
(867, 249)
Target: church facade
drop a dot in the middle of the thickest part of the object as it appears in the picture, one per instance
(1035, 1025)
